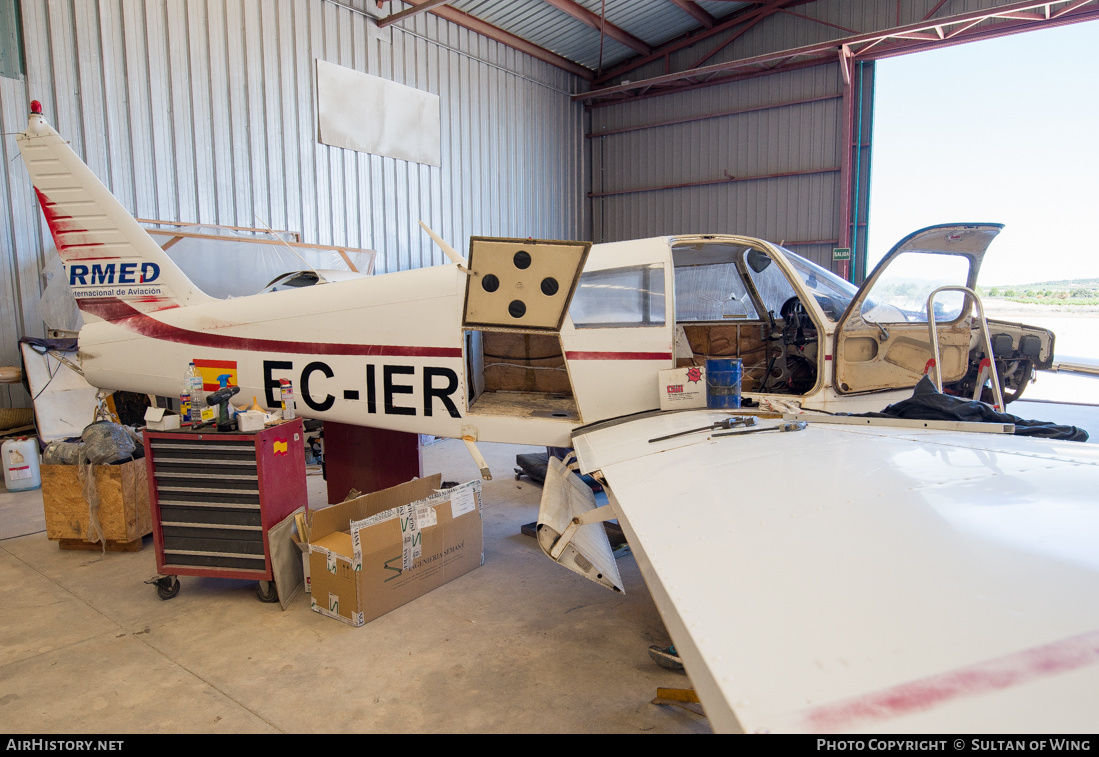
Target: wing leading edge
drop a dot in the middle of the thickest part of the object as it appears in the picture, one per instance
(877, 579)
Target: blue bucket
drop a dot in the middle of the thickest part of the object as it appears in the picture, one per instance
(722, 384)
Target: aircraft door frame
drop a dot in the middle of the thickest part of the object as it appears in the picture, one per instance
(882, 340)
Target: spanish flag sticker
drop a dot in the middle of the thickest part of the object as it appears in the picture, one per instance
(212, 370)
(280, 447)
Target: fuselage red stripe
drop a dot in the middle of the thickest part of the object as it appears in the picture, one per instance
(983, 678)
(618, 355)
(141, 323)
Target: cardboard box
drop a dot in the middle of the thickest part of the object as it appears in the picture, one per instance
(157, 419)
(372, 554)
(683, 388)
(124, 513)
(250, 421)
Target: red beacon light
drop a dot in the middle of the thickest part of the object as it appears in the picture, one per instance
(36, 108)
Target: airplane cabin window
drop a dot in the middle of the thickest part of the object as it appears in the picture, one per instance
(900, 294)
(712, 292)
(620, 297)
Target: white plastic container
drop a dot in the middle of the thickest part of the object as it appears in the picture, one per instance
(21, 464)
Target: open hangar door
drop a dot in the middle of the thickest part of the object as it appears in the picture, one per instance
(999, 130)
(766, 129)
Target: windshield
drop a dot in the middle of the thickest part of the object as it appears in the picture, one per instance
(832, 293)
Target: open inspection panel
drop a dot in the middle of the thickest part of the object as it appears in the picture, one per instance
(215, 495)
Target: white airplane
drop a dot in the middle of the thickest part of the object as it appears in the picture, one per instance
(861, 574)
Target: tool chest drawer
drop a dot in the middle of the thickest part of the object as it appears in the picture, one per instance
(215, 495)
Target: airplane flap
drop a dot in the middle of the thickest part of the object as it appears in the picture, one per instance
(851, 579)
(564, 497)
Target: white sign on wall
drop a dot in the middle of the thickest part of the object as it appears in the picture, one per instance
(369, 114)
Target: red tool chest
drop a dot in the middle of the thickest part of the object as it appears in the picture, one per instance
(215, 495)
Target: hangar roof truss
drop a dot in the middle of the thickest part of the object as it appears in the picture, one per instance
(603, 41)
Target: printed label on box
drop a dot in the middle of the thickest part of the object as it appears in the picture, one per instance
(682, 388)
(463, 500)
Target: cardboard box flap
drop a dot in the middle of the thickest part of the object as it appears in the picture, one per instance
(338, 542)
(338, 517)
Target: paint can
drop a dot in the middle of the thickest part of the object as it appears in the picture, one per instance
(722, 383)
(21, 464)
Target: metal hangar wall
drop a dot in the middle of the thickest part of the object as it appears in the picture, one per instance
(205, 111)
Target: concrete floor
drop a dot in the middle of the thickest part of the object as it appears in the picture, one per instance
(519, 645)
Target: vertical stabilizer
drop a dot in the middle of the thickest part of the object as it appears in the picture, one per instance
(111, 263)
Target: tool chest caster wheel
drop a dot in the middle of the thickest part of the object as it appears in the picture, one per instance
(167, 587)
(267, 591)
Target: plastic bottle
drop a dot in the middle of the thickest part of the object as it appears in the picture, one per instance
(185, 395)
(199, 413)
(21, 464)
(287, 399)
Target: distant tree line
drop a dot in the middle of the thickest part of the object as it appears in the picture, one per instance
(1066, 293)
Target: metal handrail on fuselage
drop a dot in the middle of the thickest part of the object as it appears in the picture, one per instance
(989, 360)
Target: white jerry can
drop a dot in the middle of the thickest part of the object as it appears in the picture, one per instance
(21, 464)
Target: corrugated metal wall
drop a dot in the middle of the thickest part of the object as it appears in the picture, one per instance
(760, 157)
(204, 111)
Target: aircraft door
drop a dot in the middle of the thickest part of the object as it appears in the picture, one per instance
(883, 340)
(620, 337)
(517, 294)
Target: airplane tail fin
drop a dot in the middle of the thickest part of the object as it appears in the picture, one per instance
(111, 263)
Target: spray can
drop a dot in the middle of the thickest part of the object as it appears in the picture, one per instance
(287, 399)
(185, 395)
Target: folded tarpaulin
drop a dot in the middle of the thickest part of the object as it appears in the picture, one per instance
(929, 404)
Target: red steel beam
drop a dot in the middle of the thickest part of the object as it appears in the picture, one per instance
(605, 27)
(707, 116)
(506, 38)
(727, 179)
(693, 39)
(933, 11)
(908, 38)
(732, 38)
(737, 76)
(697, 12)
(415, 10)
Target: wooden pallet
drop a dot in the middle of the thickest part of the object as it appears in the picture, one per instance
(112, 545)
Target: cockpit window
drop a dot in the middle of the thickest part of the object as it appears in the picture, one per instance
(708, 286)
(832, 293)
(620, 297)
(771, 283)
(712, 292)
(900, 292)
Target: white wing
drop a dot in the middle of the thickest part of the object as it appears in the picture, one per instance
(844, 578)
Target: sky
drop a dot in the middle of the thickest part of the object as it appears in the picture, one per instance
(1005, 131)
